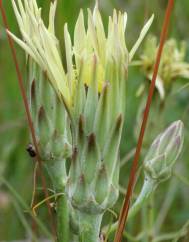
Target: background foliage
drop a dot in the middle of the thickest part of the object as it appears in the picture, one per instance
(17, 167)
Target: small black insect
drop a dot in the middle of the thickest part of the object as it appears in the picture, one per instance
(31, 150)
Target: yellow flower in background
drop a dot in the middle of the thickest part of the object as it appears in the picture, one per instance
(172, 66)
(90, 43)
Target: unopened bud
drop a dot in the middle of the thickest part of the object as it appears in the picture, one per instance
(164, 152)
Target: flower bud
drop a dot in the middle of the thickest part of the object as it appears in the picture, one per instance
(164, 152)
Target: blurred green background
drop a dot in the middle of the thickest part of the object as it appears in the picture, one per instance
(16, 166)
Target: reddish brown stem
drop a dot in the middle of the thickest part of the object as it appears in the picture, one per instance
(126, 204)
(28, 115)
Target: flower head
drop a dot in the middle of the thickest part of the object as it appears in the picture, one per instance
(90, 43)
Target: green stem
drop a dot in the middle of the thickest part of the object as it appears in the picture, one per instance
(57, 171)
(146, 192)
(144, 223)
(150, 208)
(89, 227)
(62, 219)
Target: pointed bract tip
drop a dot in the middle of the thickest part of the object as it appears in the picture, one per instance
(74, 154)
(55, 2)
(180, 124)
(55, 134)
(82, 179)
(102, 169)
(81, 125)
(41, 114)
(152, 17)
(33, 89)
(96, 7)
(176, 128)
(94, 59)
(105, 87)
(45, 75)
(156, 143)
(66, 27)
(119, 122)
(91, 141)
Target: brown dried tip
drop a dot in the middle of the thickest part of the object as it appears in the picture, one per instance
(55, 134)
(82, 178)
(91, 141)
(105, 87)
(102, 169)
(74, 155)
(104, 95)
(33, 90)
(86, 88)
(94, 59)
(41, 114)
(81, 125)
(119, 122)
(45, 75)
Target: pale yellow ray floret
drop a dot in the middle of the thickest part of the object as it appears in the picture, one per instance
(41, 44)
